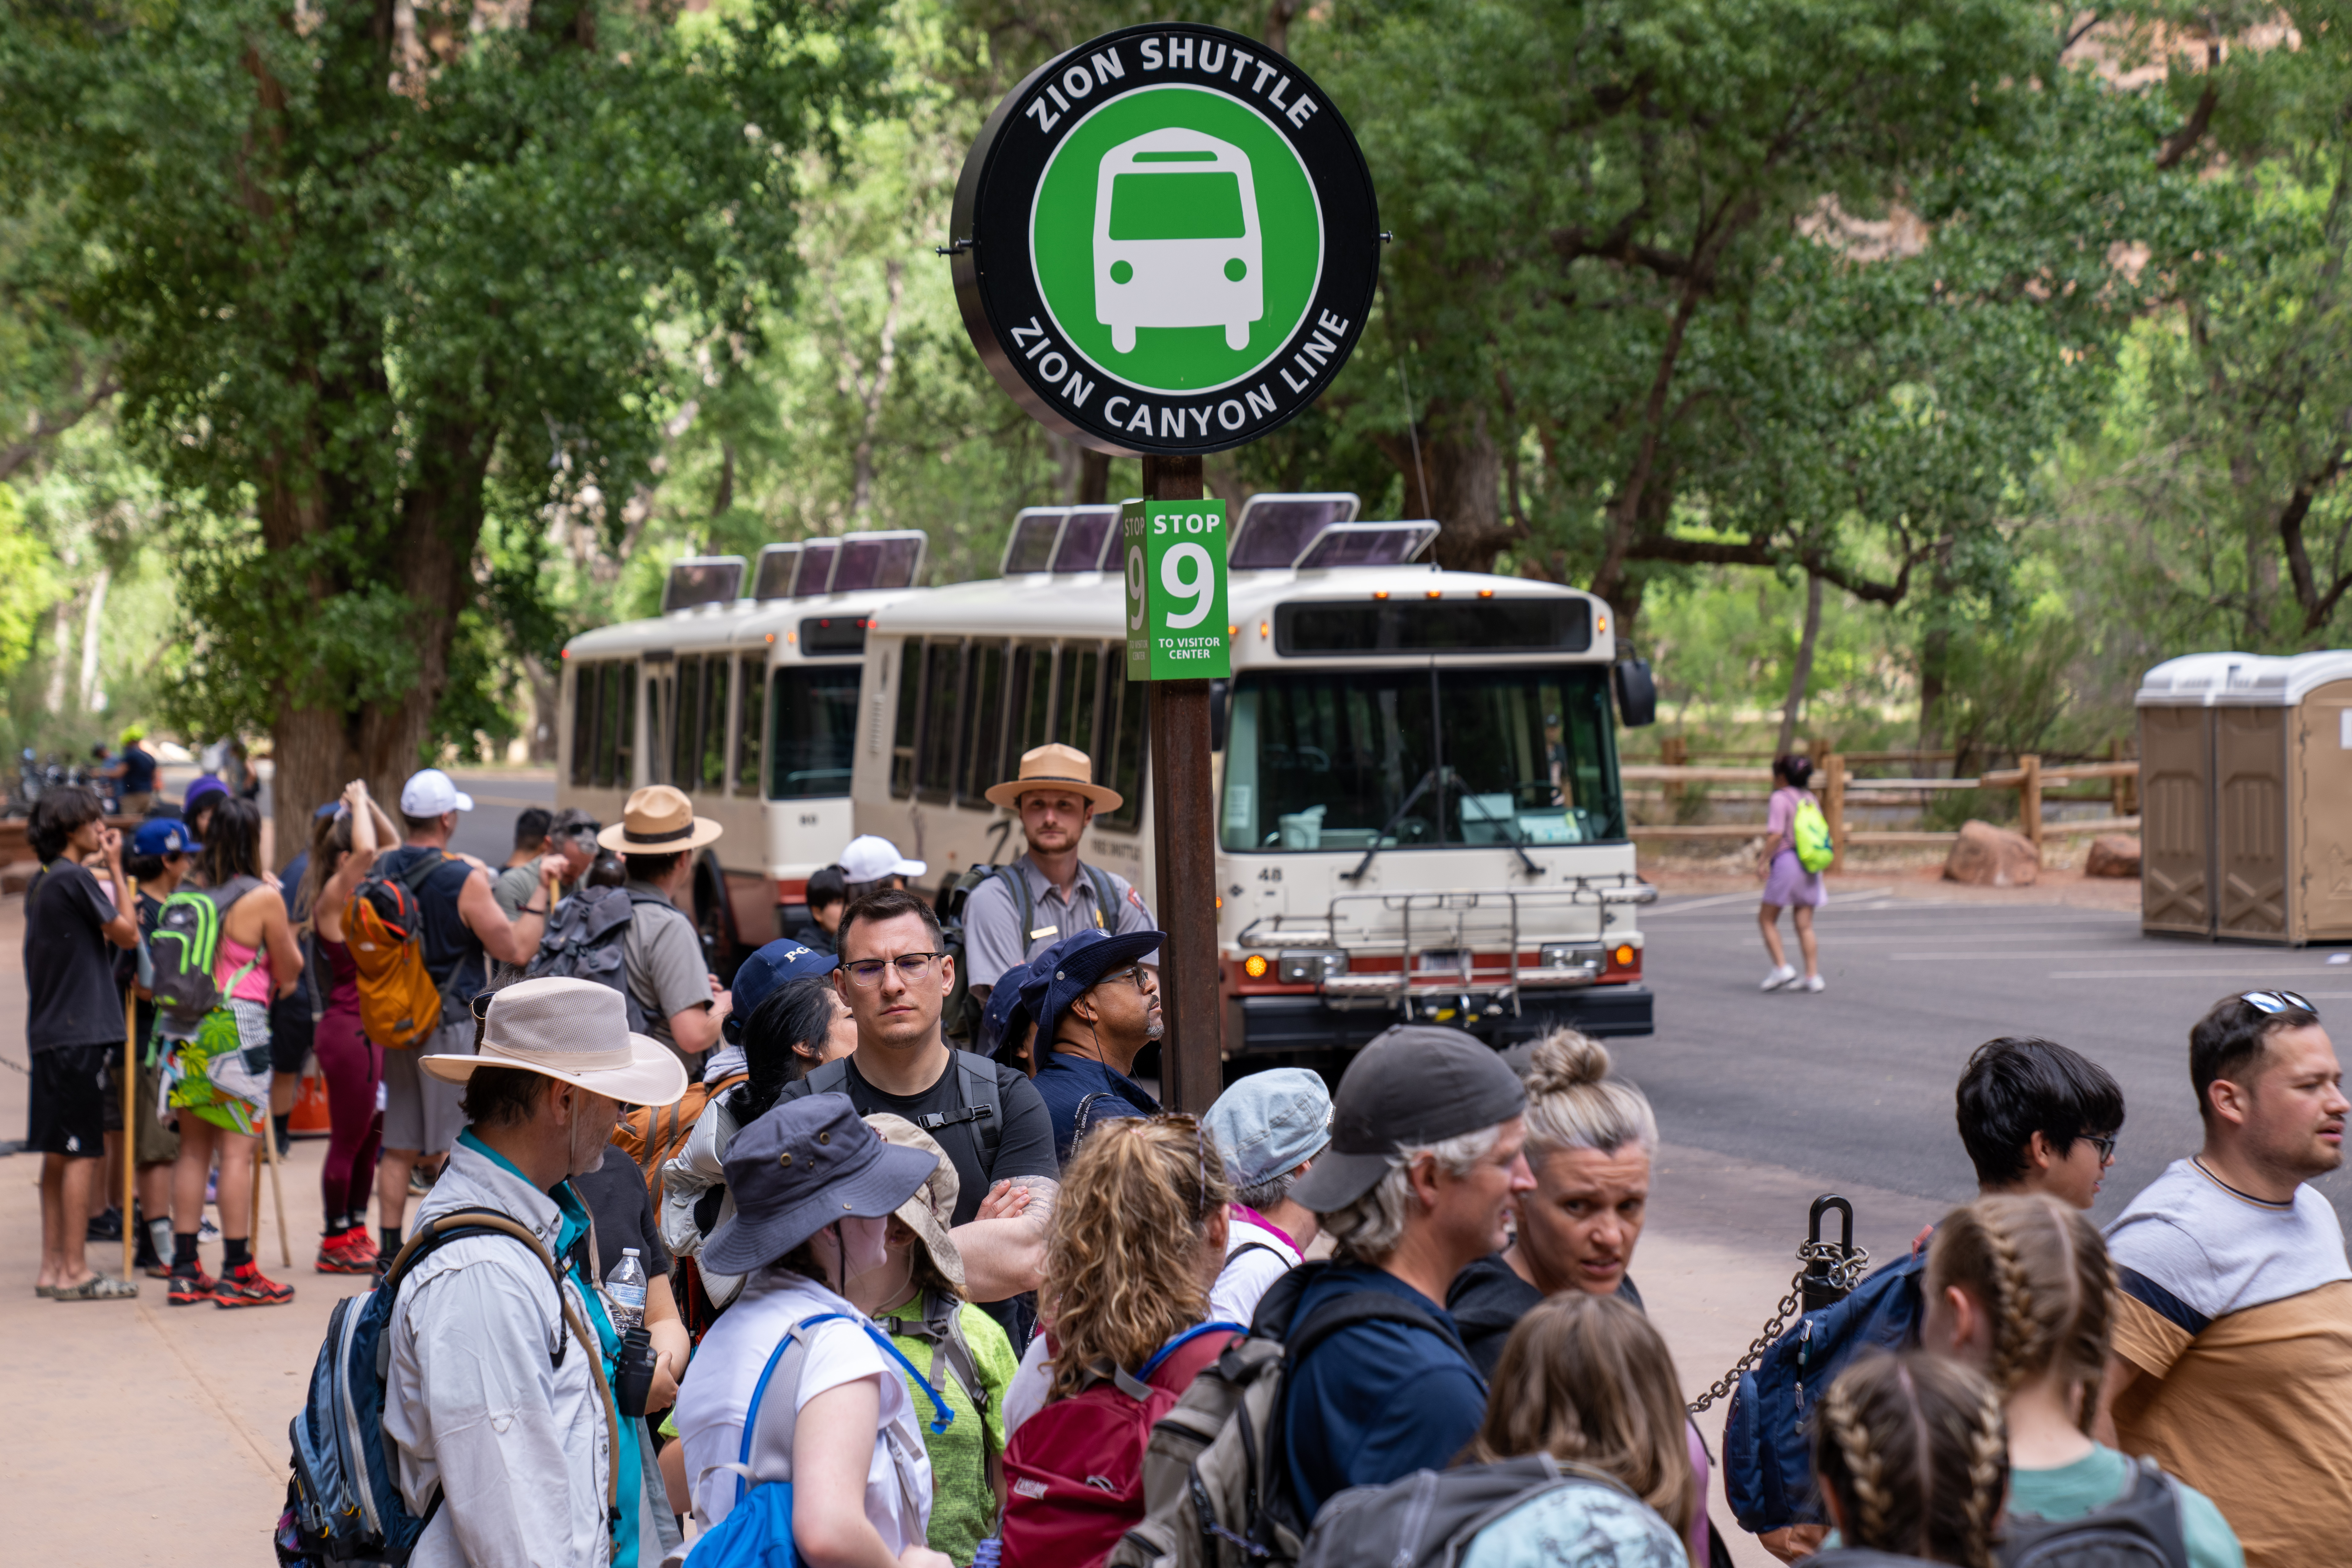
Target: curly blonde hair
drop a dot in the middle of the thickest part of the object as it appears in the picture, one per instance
(1123, 1259)
(2040, 1272)
(1593, 1382)
(1915, 1450)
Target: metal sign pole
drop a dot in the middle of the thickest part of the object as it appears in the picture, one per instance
(1184, 833)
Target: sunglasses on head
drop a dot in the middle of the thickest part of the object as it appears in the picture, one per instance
(2277, 1002)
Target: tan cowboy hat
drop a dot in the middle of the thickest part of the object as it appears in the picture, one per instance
(1054, 766)
(658, 820)
(928, 1212)
(577, 1032)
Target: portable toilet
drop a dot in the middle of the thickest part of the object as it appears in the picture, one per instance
(2246, 797)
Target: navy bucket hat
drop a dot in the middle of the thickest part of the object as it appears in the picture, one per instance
(804, 1165)
(1070, 969)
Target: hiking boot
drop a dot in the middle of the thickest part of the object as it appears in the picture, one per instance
(244, 1285)
(188, 1290)
(346, 1254)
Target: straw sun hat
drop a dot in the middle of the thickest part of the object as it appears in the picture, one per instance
(658, 820)
(1055, 766)
(577, 1032)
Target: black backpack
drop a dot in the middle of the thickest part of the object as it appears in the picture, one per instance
(2140, 1528)
(983, 1116)
(586, 939)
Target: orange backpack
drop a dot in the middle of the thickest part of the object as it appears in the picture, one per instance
(653, 1134)
(384, 927)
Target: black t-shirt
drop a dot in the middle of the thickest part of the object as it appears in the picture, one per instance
(71, 997)
(1025, 1148)
(1487, 1300)
(138, 771)
(617, 1201)
(451, 948)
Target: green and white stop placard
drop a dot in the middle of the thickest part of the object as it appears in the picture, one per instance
(1175, 555)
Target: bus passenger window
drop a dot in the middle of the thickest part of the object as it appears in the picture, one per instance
(1032, 696)
(911, 707)
(584, 710)
(750, 718)
(685, 707)
(616, 742)
(984, 751)
(714, 723)
(935, 753)
(1124, 710)
(813, 731)
(1080, 671)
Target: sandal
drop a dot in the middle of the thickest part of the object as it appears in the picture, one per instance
(97, 1287)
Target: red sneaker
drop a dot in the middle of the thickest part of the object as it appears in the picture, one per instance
(188, 1290)
(346, 1254)
(244, 1285)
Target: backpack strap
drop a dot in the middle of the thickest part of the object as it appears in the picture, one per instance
(986, 1101)
(793, 1344)
(833, 1077)
(1018, 886)
(1105, 898)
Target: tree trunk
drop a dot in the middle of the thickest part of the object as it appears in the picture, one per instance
(1801, 675)
(1935, 657)
(1452, 474)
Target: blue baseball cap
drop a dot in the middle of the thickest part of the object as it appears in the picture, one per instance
(1269, 1123)
(761, 973)
(1075, 967)
(163, 836)
(200, 786)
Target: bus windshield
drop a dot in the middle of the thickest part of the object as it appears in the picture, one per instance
(814, 725)
(1203, 205)
(1334, 759)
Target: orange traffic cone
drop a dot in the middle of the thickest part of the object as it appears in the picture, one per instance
(309, 1117)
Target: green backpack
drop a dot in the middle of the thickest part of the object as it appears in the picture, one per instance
(1810, 832)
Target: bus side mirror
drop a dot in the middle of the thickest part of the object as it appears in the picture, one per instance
(1637, 693)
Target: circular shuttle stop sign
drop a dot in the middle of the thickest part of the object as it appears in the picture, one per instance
(1166, 241)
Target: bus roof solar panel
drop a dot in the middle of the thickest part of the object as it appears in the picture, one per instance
(1367, 545)
(773, 579)
(818, 557)
(1273, 530)
(702, 580)
(1036, 530)
(1085, 538)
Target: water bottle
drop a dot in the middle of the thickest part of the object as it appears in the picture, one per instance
(625, 1288)
(988, 1554)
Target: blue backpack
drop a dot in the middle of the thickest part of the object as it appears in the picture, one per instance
(758, 1530)
(1766, 1436)
(344, 1504)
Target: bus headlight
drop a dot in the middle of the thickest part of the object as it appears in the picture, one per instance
(1311, 968)
(1570, 955)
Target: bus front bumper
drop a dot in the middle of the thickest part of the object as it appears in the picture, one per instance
(1303, 1023)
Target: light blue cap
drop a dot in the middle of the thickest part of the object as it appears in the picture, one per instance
(1269, 1123)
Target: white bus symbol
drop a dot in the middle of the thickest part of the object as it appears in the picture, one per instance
(1176, 238)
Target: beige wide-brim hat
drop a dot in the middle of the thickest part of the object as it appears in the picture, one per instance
(1054, 766)
(930, 1211)
(658, 820)
(575, 1031)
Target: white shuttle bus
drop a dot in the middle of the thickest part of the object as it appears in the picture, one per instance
(746, 697)
(1419, 808)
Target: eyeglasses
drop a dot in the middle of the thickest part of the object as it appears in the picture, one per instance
(1133, 971)
(2106, 1146)
(912, 966)
(2277, 1002)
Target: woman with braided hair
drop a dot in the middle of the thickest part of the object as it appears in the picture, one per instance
(2020, 1289)
(1912, 1459)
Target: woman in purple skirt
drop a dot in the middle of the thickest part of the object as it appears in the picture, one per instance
(1787, 884)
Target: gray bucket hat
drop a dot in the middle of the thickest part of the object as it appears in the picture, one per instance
(804, 1165)
(1416, 1083)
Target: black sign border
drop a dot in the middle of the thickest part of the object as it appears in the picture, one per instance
(997, 305)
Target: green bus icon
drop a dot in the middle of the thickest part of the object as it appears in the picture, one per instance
(1177, 241)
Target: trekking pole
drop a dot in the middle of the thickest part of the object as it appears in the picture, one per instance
(130, 1126)
(277, 1194)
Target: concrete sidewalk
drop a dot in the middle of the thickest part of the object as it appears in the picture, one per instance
(148, 1434)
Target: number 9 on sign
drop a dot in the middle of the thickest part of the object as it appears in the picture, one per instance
(1135, 587)
(1187, 573)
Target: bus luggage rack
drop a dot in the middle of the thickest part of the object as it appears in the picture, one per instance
(1391, 948)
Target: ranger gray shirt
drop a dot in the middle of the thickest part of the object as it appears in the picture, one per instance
(662, 957)
(995, 942)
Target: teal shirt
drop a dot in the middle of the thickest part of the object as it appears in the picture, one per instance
(575, 1226)
(2098, 1478)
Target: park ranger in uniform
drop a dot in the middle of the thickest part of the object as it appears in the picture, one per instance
(1049, 893)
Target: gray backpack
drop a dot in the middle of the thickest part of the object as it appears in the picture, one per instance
(2140, 1528)
(1429, 1519)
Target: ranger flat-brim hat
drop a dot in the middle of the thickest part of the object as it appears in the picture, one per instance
(658, 820)
(574, 1031)
(1414, 1084)
(1055, 767)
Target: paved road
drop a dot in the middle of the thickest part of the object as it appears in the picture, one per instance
(488, 830)
(1853, 1086)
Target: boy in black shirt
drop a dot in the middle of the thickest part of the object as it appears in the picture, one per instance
(73, 1022)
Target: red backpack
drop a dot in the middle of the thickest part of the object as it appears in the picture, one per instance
(1074, 1472)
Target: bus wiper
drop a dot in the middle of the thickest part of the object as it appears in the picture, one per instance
(1389, 827)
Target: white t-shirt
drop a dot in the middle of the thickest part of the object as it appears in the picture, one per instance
(1255, 1257)
(717, 1394)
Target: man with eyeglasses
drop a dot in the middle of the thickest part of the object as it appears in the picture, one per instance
(896, 979)
(2232, 1358)
(1096, 1007)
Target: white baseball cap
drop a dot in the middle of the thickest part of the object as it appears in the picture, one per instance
(870, 858)
(429, 793)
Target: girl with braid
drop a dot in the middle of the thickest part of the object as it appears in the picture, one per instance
(1912, 1460)
(2020, 1289)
